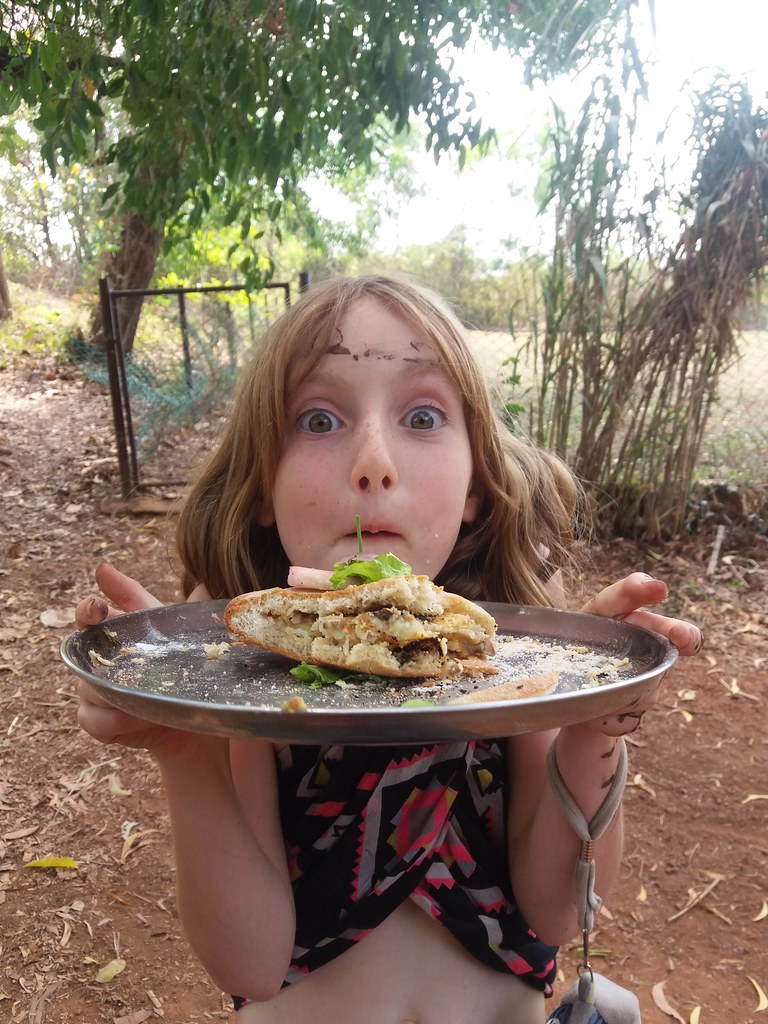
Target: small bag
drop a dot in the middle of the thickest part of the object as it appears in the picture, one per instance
(596, 1000)
(592, 999)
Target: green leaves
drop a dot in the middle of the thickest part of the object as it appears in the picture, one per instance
(206, 97)
(318, 676)
(353, 572)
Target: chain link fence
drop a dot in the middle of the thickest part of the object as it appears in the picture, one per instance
(189, 347)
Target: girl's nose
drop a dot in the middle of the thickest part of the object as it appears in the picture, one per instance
(373, 466)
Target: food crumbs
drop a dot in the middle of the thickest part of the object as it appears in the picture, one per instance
(295, 703)
(214, 651)
(98, 659)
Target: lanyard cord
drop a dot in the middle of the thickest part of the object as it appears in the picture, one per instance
(588, 903)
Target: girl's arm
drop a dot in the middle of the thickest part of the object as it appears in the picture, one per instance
(543, 847)
(234, 894)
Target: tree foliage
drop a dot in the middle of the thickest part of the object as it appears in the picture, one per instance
(219, 95)
(51, 226)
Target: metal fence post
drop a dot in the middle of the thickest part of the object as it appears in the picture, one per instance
(127, 482)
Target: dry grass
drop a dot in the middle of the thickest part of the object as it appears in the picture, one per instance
(735, 446)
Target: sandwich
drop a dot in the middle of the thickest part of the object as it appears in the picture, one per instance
(401, 625)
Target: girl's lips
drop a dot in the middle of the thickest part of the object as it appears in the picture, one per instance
(376, 536)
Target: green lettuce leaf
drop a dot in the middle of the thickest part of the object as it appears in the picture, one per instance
(318, 676)
(354, 572)
(315, 675)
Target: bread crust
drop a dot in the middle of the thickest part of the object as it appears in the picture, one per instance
(513, 689)
(402, 626)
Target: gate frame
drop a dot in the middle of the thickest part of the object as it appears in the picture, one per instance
(125, 437)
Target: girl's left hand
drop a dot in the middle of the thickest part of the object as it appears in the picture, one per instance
(626, 599)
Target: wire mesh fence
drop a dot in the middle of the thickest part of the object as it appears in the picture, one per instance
(188, 349)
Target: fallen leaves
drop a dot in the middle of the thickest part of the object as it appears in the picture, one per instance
(762, 999)
(718, 913)
(684, 713)
(52, 862)
(20, 833)
(660, 999)
(69, 916)
(111, 970)
(696, 897)
(16, 629)
(132, 841)
(136, 1017)
(57, 618)
(734, 690)
(116, 788)
(639, 783)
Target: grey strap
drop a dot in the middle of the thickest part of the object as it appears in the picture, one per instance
(588, 903)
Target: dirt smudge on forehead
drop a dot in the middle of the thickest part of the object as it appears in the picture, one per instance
(338, 348)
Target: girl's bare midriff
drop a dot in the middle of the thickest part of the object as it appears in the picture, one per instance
(409, 970)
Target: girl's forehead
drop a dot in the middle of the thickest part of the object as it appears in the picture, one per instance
(351, 364)
(370, 330)
(370, 335)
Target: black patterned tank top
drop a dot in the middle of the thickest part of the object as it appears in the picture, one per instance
(368, 827)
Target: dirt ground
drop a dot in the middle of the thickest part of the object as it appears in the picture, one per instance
(686, 928)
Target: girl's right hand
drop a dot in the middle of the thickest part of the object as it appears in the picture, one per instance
(125, 595)
(96, 716)
(108, 724)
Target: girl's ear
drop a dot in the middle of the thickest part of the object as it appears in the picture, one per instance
(472, 504)
(265, 516)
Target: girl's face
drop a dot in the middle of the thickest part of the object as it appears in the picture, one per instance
(376, 431)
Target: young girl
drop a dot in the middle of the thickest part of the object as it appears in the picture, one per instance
(423, 883)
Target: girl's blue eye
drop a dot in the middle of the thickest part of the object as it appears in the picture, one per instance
(319, 421)
(425, 418)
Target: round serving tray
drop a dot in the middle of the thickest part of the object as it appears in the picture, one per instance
(164, 665)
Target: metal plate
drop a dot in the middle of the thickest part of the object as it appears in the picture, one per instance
(154, 664)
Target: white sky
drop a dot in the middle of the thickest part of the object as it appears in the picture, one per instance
(690, 35)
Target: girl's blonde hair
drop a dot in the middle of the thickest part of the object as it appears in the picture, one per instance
(524, 528)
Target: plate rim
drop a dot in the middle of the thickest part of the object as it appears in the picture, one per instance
(667, 655)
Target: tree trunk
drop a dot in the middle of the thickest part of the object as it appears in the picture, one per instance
(131, 266)
(5, 295)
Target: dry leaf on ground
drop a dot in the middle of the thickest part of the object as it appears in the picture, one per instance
(762, 999)
(110, 971)
(660, 999)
